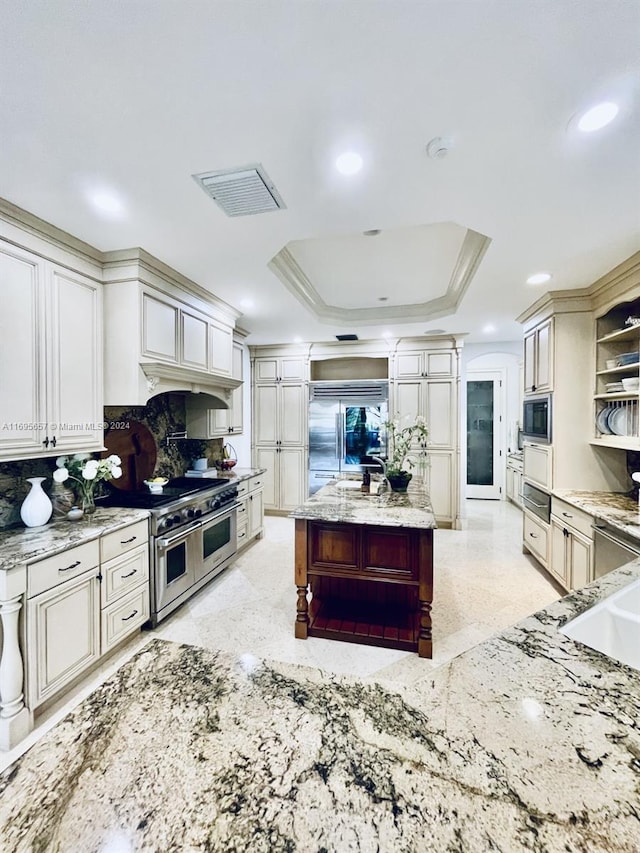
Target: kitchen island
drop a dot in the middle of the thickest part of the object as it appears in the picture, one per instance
(367, 560)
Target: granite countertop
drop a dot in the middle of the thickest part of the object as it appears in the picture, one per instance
(342, 501)
(240, 474)
(25, 544)
(618, 510)
(529, 741)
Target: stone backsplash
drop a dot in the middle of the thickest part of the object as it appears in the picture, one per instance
(163, 415)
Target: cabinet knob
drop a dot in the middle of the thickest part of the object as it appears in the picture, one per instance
(46, 441)
(53, 441)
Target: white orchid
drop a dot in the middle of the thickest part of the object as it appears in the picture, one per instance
(60, 474)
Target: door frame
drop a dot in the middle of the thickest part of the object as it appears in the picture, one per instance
(497, 490)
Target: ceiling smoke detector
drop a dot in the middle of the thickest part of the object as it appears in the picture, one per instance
(438, 147)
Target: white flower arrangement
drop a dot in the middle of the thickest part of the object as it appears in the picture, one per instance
(87, 472)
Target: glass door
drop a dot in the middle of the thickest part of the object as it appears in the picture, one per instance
(484, 422)
(363, 435)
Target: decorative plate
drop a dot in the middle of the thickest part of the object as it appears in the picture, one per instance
(618, 421)
(602, 420)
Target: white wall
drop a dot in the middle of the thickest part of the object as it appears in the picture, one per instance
(506, 356)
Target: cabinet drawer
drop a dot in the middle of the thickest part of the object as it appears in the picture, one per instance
(123, 573)
(256, 483)
(537, 465)
(47, 573)
(243, 489)
(124, 616)
(123, 540)
(536, 538)
(242, 535)
(242, 513)
(572, 517)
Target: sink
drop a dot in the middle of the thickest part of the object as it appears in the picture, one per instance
(612, 626)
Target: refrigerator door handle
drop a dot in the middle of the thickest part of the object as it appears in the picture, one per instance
(338, 434)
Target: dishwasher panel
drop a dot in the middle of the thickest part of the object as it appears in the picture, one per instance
(612, 550)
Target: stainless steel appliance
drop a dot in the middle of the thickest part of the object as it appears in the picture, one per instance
(536, 418)
(346, 428)
(193, 536)
(612, 549)
(537, 501)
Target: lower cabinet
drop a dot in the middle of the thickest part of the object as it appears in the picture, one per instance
(571, 560)
(441, 484)
(81, 605)
(251, 510)
(284, 478)
(535, 537)
(513, 488)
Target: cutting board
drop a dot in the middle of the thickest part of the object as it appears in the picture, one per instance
(136, 447)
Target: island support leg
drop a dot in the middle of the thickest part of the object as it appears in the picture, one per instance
(301, 579)
(425, 594)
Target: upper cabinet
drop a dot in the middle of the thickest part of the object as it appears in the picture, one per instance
(164, 333)
(50, 357)
(205, 422)
(425, 363)
(280, 369)
(538, 358)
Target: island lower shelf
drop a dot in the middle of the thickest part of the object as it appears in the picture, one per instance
(367, 584)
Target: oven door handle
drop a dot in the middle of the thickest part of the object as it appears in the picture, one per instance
(528, 499)
(167, 543)
(220, 515)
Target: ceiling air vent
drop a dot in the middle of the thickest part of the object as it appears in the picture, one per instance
(241, 192)
(347, 337)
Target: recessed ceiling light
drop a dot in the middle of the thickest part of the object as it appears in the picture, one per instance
(246, 303)
(106, 202)
(386, 334)
(597, 117)
(539, 278)
(488, 329)
(349, 163)
(297, 339)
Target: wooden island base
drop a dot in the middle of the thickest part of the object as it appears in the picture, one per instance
(369, 584)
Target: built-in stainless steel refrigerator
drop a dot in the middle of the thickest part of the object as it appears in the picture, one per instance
(346, 428)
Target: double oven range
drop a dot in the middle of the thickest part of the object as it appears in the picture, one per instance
(193, 536)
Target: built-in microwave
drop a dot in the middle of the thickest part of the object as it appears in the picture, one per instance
(536, 419)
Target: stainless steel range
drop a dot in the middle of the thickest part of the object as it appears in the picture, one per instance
(193, 536)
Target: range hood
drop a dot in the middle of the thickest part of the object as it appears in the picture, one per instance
(161, 378)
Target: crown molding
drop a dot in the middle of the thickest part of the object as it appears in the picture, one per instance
(291, 274)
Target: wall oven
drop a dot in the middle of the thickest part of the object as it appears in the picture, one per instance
(536, 419)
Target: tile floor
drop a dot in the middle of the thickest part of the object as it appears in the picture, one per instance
(483, 583)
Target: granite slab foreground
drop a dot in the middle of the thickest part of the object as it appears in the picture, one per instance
(529, 741)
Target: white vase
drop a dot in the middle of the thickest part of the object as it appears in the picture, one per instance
(36, 508)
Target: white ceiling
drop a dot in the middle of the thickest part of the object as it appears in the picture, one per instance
(135, 97)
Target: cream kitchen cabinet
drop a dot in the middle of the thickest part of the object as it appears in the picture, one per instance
(538, 464)
(251, 509)
(280, 414)
(280, 369)
(62, 620)
(284, 478)
(81, 604)
(424, 363)
(514, 480)
(435, 400)
(204, 422)
(535, 537)
(571, 559)
(51, 358)
(538, 358)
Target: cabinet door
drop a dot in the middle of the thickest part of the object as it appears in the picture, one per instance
(518, 488)
(581, 556)
(266, 369)
(544, 357)
(509, 485)
(63, 629)
(529, 362)
(292, 480)
(236, 414)
(409, 365)
(256, 513)
(408, 400)
(266, 415)
(221, 349)
(440, 413)
(194, 340)
(22, 360)
(291, 415)
(159, 328)
(536, 538)
(538, 465)
(441, 486)
(74, 371)
(292, 369)
(438, 363)
(559, 562)
(267, 457)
